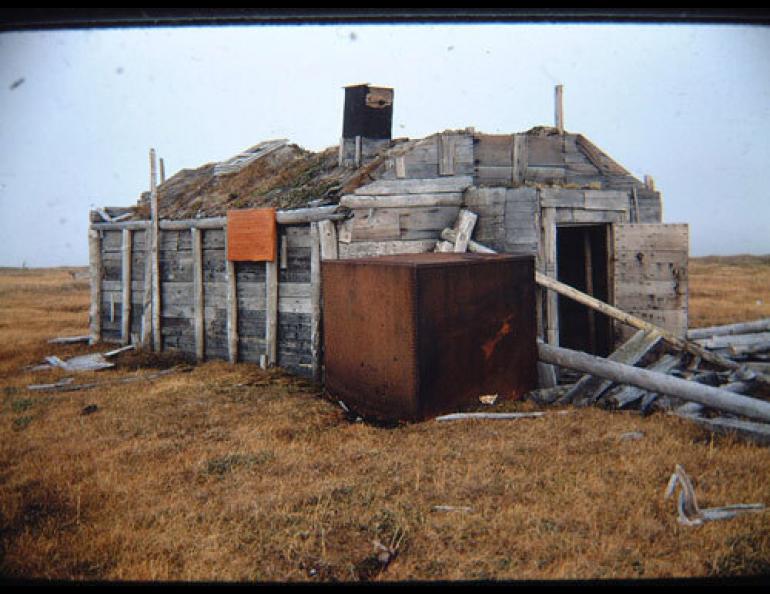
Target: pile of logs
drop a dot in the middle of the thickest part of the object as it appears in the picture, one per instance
(717, 377)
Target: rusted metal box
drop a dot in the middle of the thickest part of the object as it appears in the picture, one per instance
(413, 336)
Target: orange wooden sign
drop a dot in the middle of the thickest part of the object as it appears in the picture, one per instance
(251, 235)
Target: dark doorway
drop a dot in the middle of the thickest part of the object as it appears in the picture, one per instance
(581, 261)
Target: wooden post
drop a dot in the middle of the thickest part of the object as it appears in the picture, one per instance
(162, 171)
(466, 221)
(200, 334)
(635, 201)
(271, 312)
(146, 337)
(656, 382)
(316, 245)
(327, 234)
(125, 313)
(154, 232)
(232, 313)
(446, 156)
(519, 158)
(95, 270)
(649, 182)
(559, 108)
(359, 151)
(549, 265)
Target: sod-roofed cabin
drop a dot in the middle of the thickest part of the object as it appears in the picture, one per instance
(224, 260)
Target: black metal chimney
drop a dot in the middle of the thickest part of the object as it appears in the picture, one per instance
(367, 122)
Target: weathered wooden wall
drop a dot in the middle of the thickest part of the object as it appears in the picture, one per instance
(177, 256)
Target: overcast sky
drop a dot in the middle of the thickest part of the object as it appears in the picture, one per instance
(79, 110)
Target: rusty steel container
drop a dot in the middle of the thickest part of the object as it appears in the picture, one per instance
(414, 336)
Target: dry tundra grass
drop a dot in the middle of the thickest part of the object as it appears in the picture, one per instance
(230, 473)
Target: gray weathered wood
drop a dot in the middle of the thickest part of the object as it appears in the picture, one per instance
(729, 329)
(327, 233)
(734, 340)
(655, 382)
(446, 154)
(631, 320)
(125, 314)
(416, 186)
(519, 168)
(466, 221)
(316, 248)
(375, 224)
(758, 433)
(630, 394)
(502, 416)
(750, 349)
(549, 263)
(95, 272)
(154, 243)
(400, 166)
(559, 108)
(198, 302)
(271, 312)
(146, 331)
(450, 235)
(232, 312)
(589, 389)
(402, 200)
(365, 249)
(70, 339)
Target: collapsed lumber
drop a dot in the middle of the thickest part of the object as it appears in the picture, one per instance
(730, 329)
(66, 385)
(656, 382)
(687, 505)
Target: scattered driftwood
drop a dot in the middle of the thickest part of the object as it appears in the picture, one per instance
(452, 508)
(656, 382)
(66, 384)
(762, 325)
(69, 339)
(687, 505)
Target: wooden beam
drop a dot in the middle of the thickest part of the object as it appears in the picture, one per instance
(125, 313)
(162, 171)
(402, 200)
(327, 233)
(559, 108)
(519, 158)
(631, 320)
(198, 298)
(589, 274)
(446, 154)
(154, 243)
(271, 312)
(95, 272)
(656, 382)
(146, 332)
(232, 312)
(316, 248)
(730, 329)
(450, 235)
(466, 221)
(549, 265)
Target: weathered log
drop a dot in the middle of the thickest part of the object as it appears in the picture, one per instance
(69, 339)
(758, 433)
(733, 340)
(466, 221)
(494, 416)
(730, 329)
(655, 382)
(631, 320)
(450, 235)
(750, 349)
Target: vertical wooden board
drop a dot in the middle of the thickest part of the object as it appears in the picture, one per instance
(95, 270)
(520, 158)
(315, 297)
(327, 235)
(199, 329)
(545, 151)
(232, 313)
(446, 154)
(650, 271)
(549, 265)
(271, 312)
(125, 330)
(521, 208)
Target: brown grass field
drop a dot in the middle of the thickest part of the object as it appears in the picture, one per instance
(227, 472)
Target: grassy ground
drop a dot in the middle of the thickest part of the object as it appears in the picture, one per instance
(231, 473)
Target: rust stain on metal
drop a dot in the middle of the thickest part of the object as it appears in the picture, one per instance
(413, 336)
(489, 346)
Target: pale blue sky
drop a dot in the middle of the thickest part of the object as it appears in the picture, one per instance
(688, 104)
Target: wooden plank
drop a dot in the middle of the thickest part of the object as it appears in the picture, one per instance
(493, 150)
(549, 263)
(629, 394)
(232, 312)
(316, 247)
(520, 158)
(125, 315)
(589, 389)
(559, 108)
(562, 198)
(402, 200)
(327, 234)
(95, 274)
(416, 186)
(761, 325)
(494, 174)
(364, 249)
(198, 301)
(146, 331)
(271, 312)
(656, 382)
(400, 167)
(545, 151)
(539, 174)
(606, 200)
(466, 221)
(426, 218)
(284, 251)
(154, 243)
(446, 154)
(374, 224)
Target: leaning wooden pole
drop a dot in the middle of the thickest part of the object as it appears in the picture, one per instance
(559, 287)
(655, 382)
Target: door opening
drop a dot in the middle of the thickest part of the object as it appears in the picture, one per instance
(582, 262)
